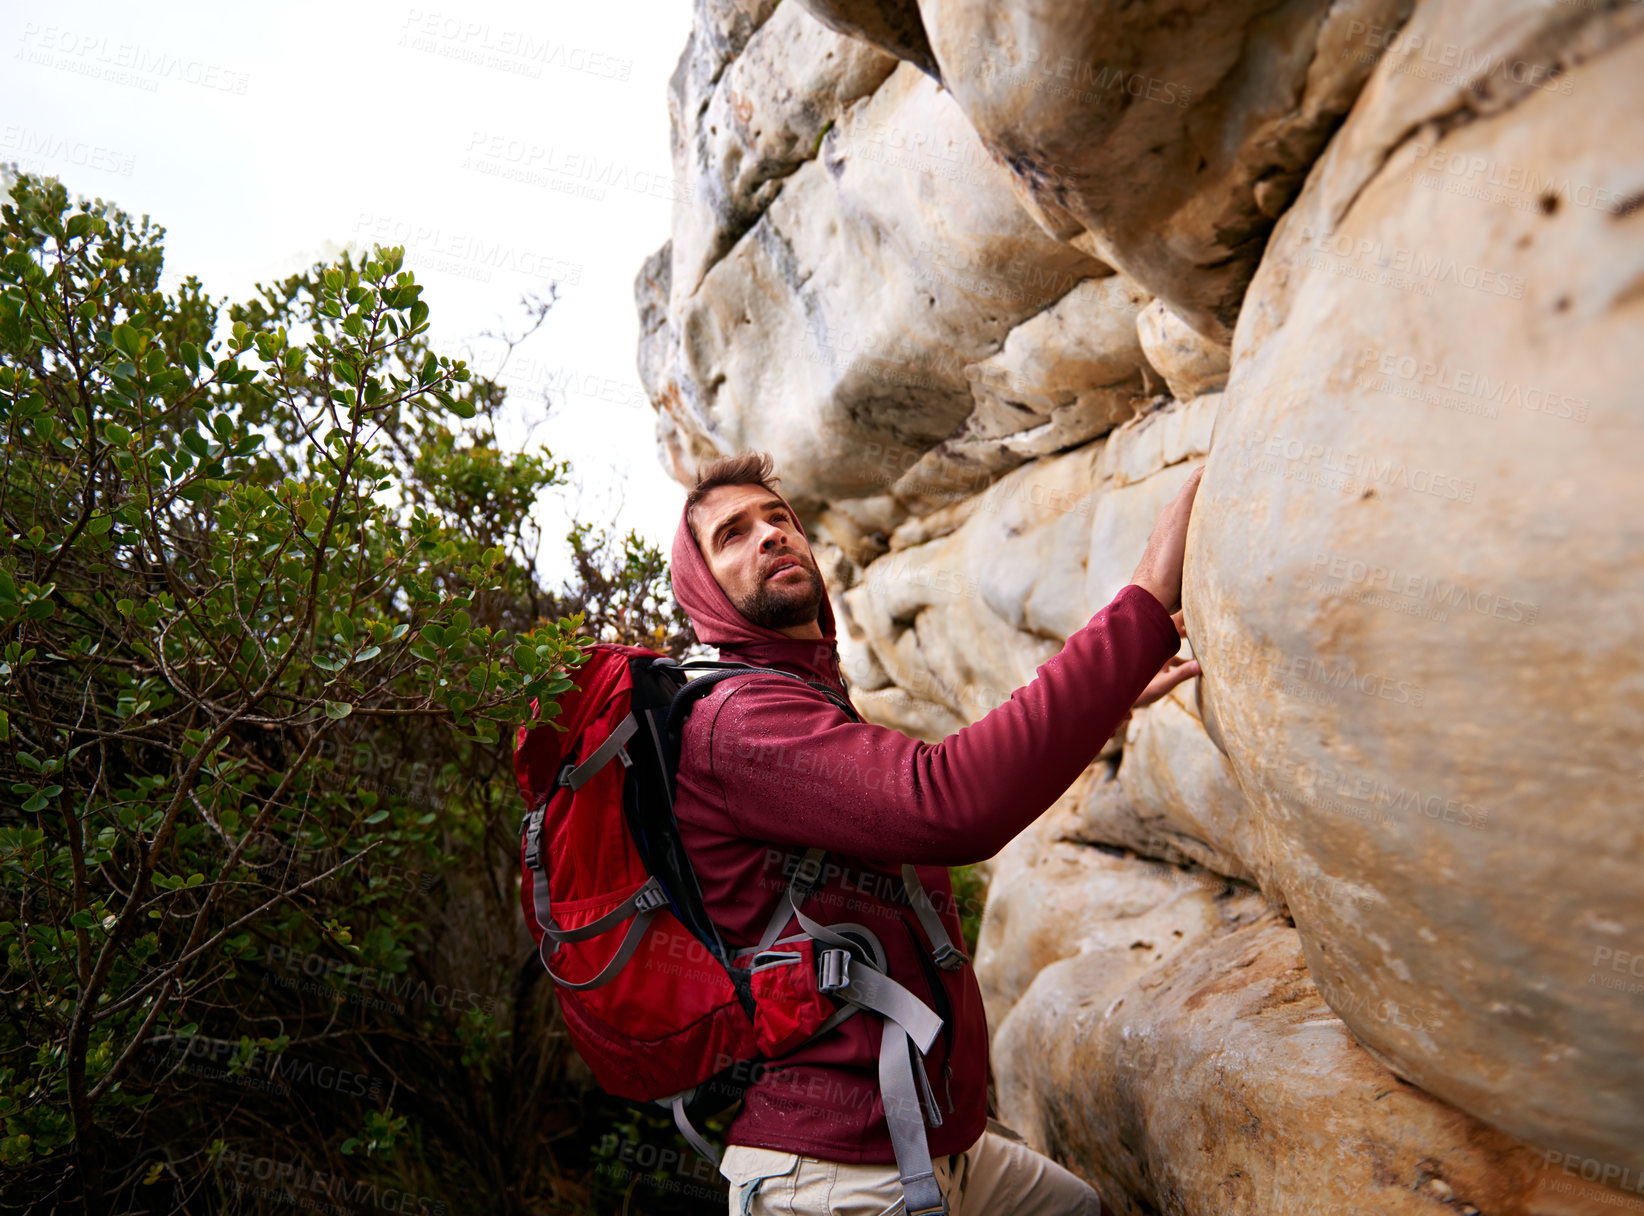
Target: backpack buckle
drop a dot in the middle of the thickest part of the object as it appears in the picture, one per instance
(807, 872)
(950, 957)
(563, 777)
(531, 826)
(649, 897)
(833, 970)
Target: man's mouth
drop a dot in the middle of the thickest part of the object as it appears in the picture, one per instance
(787, 563)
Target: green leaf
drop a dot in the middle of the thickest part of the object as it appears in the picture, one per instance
(189, 354)
(85, 918)
(77, 226)
(5, 726)
(376, 816)
(8, 589)
(195, 442)
(127, 341)
(338, 709)
(35, 804)
(117, 434)
(419, 314)
(369, 653)
(99, 524)
(462, 408)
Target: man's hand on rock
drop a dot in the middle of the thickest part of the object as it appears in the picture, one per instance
(1160, 570)
(1175, 671)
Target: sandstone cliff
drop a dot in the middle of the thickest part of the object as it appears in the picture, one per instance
(1355, 922)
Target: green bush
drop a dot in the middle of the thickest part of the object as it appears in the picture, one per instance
(268, 619)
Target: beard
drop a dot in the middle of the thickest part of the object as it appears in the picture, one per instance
(783, 607)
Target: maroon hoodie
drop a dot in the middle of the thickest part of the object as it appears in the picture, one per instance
(771, 767)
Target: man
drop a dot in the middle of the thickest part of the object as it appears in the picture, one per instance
(771, 768)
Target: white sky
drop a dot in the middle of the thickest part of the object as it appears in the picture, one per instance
(504, 144)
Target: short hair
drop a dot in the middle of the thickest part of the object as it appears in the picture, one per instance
(741, 469)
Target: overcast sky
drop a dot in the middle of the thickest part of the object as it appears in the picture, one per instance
(505, 145)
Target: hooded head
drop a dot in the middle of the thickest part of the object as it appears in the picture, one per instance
(717, 621)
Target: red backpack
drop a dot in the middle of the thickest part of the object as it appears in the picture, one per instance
(654, 1001)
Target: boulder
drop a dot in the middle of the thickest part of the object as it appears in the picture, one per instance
(1414, 574)
(885, 267)
(892, 25)
(1158, 1028)
(1189, 362)
(1064, 376)
(1163, 138)
(764, 117)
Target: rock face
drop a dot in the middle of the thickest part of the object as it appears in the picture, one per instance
(1379, 265)
(1471, 755)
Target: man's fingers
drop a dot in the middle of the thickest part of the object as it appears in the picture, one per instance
(1175, 672)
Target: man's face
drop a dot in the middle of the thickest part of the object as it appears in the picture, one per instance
(758, 556)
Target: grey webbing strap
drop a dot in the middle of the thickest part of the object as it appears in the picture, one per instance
(921, 1196)
(578, 777)
(873, 989)
(692, 1136)
(540, 902)
(645, 899)
(630, 943)
(807, 874)
(908, 1021)
(946, 955)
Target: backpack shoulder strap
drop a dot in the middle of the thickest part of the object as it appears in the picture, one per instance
(700, 686)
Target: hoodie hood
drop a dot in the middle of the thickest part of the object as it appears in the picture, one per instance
(717, 622)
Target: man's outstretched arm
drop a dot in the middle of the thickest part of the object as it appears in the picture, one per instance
(795, 771)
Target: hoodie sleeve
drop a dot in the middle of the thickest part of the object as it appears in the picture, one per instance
(795, 771)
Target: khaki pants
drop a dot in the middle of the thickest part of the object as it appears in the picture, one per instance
(996, 1176)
